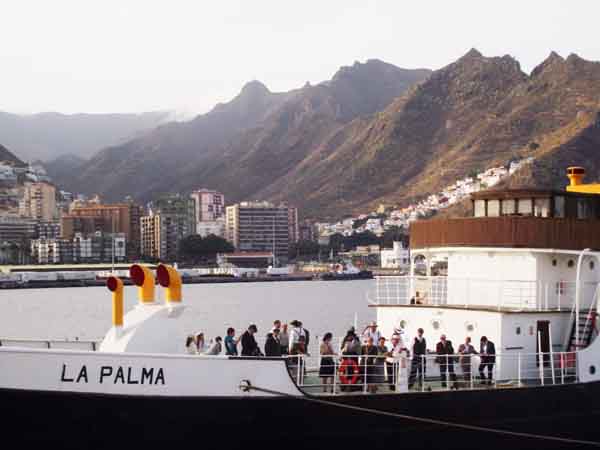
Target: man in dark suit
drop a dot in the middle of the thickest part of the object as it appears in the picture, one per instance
(249, 344)
(417, 368)
(445, 359)
(487, 351)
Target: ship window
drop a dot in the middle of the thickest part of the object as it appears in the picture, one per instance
(583, 209)
(493, 208)
(592, 265)
(541, 207)
(592, 370)
(508, 206)
(479, 208)
(518, 330)
(571, 263)
(559, 206)
(524, 206)
(554, 262)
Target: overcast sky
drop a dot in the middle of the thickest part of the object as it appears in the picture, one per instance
(133, 56)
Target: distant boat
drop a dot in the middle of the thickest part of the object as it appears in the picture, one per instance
(347, 271)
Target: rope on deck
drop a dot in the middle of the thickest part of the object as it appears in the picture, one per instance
(247, 386)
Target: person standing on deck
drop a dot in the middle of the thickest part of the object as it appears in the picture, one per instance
(295, 333)
(272, 345)
(418, 365)
(327, 366)
(371, 331)
(284, 339)
(445, 359)
(466, 362)
(487, 351)
(231, 343)
(249, 345)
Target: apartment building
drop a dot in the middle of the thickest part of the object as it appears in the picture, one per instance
(88, 218)
(262, 227)
(209, 212)
(38, 201)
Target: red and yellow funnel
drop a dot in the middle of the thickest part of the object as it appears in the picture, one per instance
(169, 278)
(115, 285)
(143, 278)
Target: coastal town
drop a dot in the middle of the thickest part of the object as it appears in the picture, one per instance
(43, 225)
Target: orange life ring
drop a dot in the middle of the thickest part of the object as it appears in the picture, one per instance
(344, 375)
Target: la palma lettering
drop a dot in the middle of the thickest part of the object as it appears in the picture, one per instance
(121, 375)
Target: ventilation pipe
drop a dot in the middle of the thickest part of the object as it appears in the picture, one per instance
(169, 278)
(115, 285)
(575, 175)
(142, 277)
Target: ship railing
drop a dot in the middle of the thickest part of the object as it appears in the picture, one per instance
(474, 292)
(426, 373)
(61, 344)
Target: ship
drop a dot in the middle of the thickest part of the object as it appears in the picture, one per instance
(346, 271)
(522, 271)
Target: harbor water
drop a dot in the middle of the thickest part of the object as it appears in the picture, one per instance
(84, 313)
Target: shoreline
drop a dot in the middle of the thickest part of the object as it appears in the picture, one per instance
(186, 280)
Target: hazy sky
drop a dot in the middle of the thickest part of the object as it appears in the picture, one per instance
(132, 56)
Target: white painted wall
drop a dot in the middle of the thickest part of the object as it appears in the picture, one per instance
(183, 375)
(480, 278)
(457, 324)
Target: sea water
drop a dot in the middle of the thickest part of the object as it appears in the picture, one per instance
(84, 313)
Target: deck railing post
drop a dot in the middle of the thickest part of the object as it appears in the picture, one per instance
(365, 385)
(551, 353)
(562, 368)
(423, 363)
(519, 369)
(540, 358)
(335, 372)
(471, 371)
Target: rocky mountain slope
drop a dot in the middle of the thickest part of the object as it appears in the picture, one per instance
(372, 134)
(6, 156)
(47, 136)
(241, 145)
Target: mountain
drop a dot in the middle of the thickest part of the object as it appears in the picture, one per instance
(63, 167)
(46, 136)
(8, 157)
(243, 144)
(475, 113)
(372, 134)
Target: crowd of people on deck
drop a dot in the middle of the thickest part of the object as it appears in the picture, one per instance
(362, 356)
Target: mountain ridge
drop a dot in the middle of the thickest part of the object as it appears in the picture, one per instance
(372, 135)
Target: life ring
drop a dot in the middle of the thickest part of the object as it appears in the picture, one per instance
(345, 377)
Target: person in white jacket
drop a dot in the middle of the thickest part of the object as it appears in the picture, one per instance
(295, 333)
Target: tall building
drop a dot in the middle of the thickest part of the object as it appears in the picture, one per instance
(160, 237)
(96, 248)
(38, 201)
(172, 217)
(209, 212)
(180, 209)
(262, 226)
(87, 218)
(307, 231)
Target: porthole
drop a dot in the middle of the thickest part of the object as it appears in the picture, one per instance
(592, 265)
(518, 330)
(592, 370)
(554, 262)
(571, 263)
(436, 324)
(469, 327)
(402, 324)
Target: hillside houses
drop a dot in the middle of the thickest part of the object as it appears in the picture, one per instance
(378, 222)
